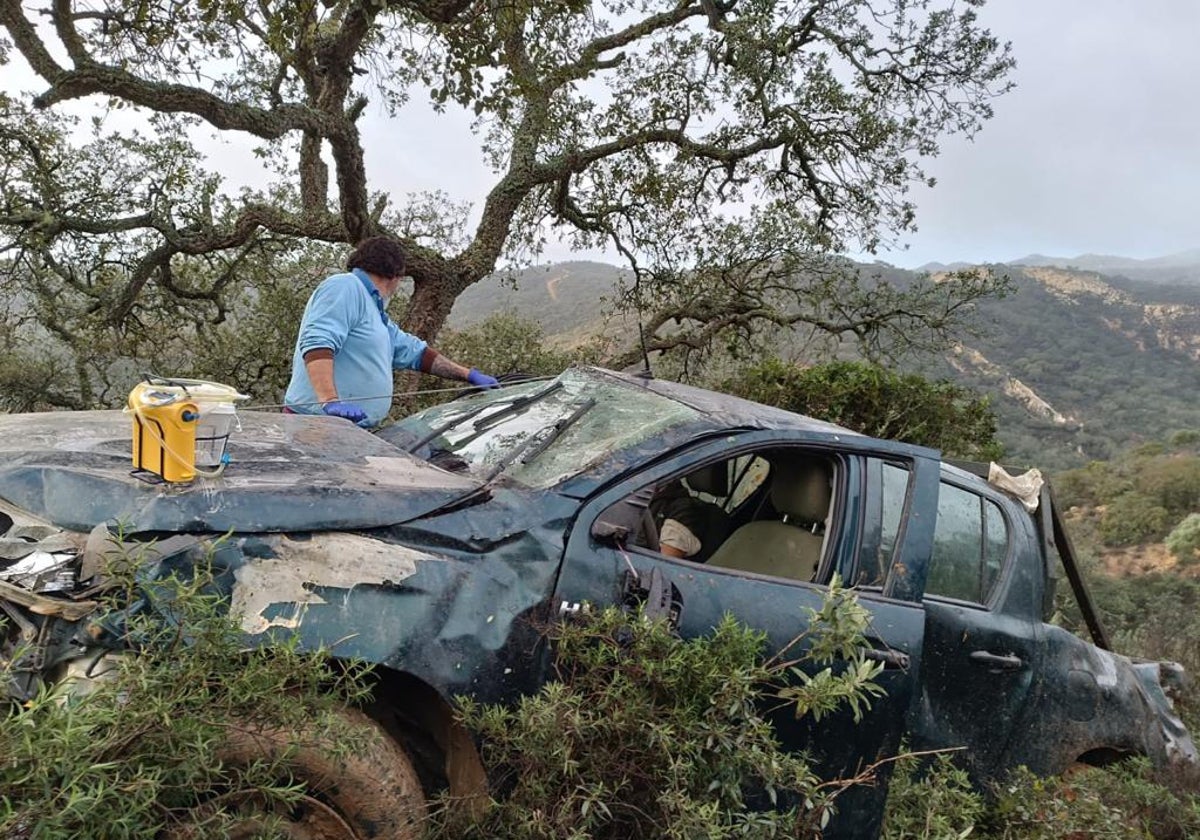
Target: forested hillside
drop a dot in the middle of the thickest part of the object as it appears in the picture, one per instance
(1115, 367)
(1079, 365)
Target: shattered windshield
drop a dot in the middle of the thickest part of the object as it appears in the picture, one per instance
(486, 429)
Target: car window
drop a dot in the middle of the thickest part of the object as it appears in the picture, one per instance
(622, 416)
(747, 474)
(995, 545)
(781, 531)
(881, 522)
(743, 475)
(959, 567)
(895, 489)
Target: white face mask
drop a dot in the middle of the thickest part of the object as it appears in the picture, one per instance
(387, 289)
(393, 287)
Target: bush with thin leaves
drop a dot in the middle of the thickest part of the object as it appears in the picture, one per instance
(141, 753)
(1184, 539)
(644, 735)
(931, 800)
(834, 634)
(1131, 801)
(876, 401)
(1132, 518)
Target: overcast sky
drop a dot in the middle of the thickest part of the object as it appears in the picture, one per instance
(1097, 149)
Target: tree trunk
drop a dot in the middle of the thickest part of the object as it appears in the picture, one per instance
(430, 305)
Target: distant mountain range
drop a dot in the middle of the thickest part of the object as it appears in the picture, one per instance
(1182, 267)
(1080, 364)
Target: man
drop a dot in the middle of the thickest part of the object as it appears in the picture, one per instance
(348, 346)
(689, 527)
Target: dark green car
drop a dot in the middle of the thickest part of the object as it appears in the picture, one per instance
(436, 547)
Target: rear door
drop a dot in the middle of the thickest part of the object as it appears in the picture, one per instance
(981, 630)
(594, 569)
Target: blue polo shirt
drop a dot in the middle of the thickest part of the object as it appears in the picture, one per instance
(346, 315)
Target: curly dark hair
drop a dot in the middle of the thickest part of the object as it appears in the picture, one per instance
(380, 255)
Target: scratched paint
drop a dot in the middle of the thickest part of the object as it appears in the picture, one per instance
(301, 567)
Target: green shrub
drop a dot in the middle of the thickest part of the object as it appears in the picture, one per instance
(1098, 483)
(505, 342)
(931, 801)
(502, 343)
(1133, 518)
(1185, 439)
(647, 736)
(1173, 482)
(1110, 479)
(1129, 801)
(1126, 801)
(141, 753)
(1184, 540)
(876, 401)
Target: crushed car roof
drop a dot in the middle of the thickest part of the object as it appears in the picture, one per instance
(725, 410)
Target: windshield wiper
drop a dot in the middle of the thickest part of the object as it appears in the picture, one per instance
(514, 405)
(532, 447)
(560, 427)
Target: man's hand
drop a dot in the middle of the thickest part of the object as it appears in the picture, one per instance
(345, 410)
(482, 380)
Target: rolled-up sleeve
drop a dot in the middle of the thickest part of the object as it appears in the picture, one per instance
(407, 349)
(329, 316)
(680, 537)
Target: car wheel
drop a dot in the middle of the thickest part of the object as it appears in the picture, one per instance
(371, 792)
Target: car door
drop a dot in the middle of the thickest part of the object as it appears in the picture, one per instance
(595, 567)
(981, 628)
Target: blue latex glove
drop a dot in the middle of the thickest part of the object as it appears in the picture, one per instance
(482, 380)
(345, 410)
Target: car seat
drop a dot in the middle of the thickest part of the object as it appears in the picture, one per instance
(712, 479)
(790, 547)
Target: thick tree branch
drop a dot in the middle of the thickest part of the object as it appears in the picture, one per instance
(27, 41)
(48, 225)
(589, 57)
(271, 124)
(813, 113)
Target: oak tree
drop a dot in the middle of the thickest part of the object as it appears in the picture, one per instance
(719, 146)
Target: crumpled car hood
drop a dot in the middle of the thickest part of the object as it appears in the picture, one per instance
(286, 473)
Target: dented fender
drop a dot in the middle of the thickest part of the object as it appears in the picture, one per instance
(1091, 705)
(460, 615)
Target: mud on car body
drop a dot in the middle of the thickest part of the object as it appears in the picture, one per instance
(434, 548)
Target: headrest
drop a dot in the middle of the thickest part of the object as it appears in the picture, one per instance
(713, 479)
(801, 487)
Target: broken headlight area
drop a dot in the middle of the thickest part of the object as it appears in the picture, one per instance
(55, 620)
(39, 571)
